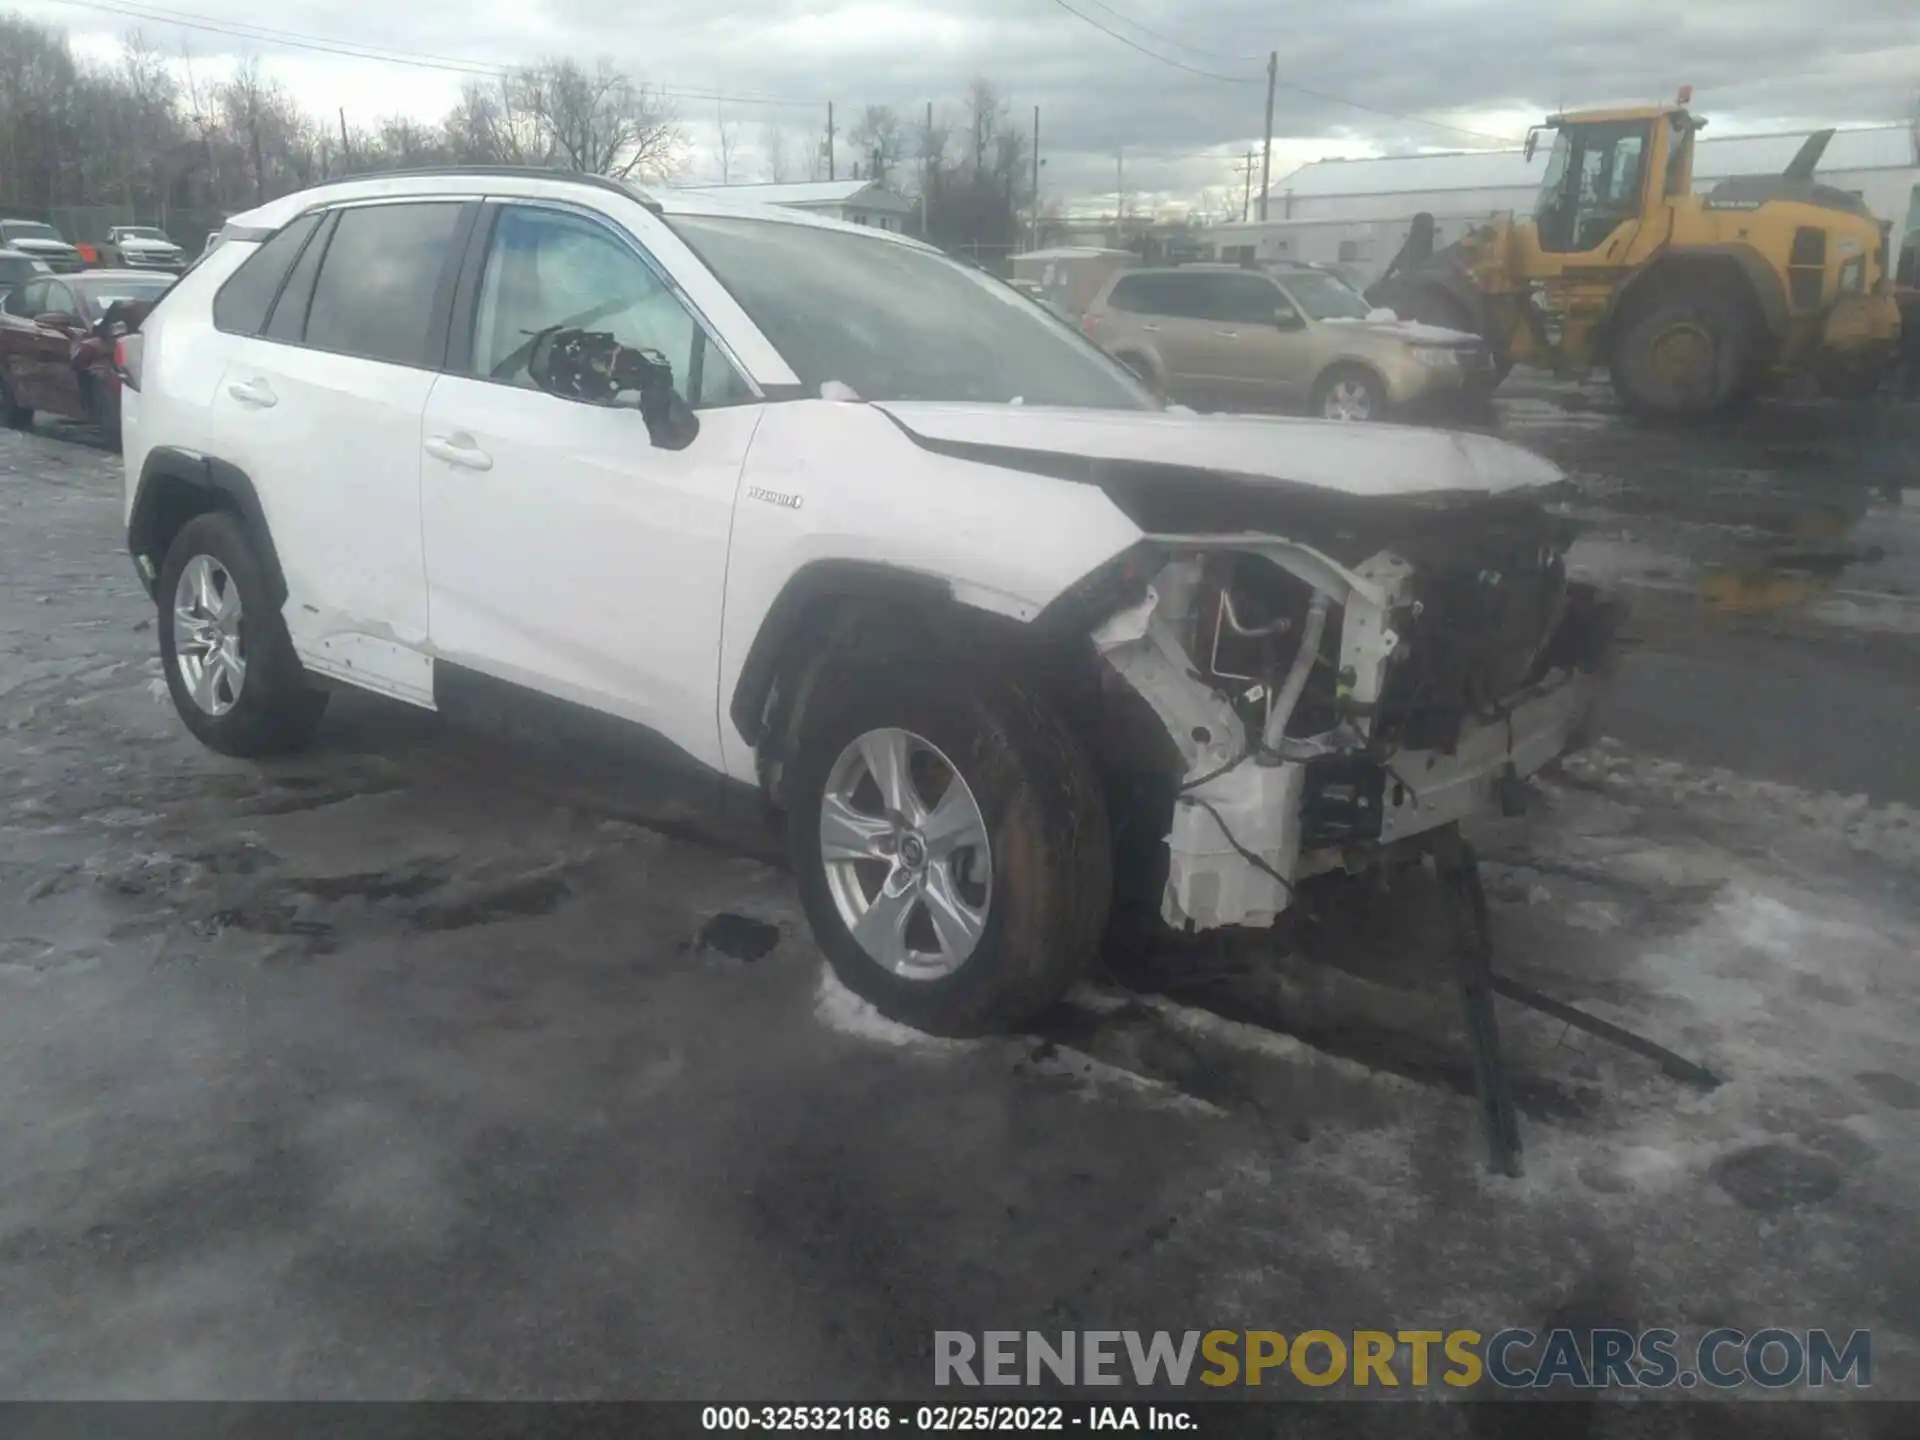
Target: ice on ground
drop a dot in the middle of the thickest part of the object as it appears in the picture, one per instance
(838, 1008)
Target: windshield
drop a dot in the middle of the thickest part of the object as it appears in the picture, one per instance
(144, 232)
(895, 322)
(1324, 297)
(28, 230)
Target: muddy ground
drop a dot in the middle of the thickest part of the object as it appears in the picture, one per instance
(401, 1069)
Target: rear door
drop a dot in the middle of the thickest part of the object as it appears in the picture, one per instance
(566, 554)
(1170, 308)
(19, 343)
(322, 408)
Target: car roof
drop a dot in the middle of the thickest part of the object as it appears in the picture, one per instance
(123, 273)
(530, 182)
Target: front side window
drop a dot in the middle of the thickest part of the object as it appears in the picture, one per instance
(26, 300)
(59, 301)
(1593, 184)
(374, 296)
(548, 268)
(1325, 297)
(895, 321)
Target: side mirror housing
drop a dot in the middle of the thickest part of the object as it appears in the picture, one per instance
(1287, 319)
(65, 324)
(592, 366)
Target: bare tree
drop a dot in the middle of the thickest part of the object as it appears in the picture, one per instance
(880, 138)
(729, 144)
(599, 121)
(773, 146)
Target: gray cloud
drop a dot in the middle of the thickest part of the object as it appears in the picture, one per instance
(1476, 63)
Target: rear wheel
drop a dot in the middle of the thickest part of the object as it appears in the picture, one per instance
(950, 841)
(1684, 353)
(15, 415)
(230, 667)
(1349, 393)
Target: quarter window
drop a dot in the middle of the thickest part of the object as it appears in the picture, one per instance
(548, 268)
(374, 297)
(241, 306)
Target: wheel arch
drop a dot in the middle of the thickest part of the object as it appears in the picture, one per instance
(1736, 265)
(1348, 362)
(175, 486)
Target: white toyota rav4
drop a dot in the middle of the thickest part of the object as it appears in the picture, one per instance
(846, 521)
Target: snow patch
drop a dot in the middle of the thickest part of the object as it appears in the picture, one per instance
(838, 1008)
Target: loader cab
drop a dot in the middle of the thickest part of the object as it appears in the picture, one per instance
(1595, 181)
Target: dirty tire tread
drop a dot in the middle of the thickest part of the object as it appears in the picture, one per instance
(279, 709)
(1047, 821)
(1723, 315)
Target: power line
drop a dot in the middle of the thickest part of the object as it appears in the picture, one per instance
(356, 50)
(1155, 54)
(1283, 83)
(1164, 38)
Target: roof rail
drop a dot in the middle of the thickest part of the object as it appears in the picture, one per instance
(516, 172)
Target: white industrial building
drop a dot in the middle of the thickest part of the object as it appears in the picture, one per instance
(861, 202)
(1355, 213)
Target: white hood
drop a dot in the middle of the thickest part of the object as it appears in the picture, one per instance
(1352, 459)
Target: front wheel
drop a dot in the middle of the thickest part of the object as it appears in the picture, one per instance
(1350, 393)
(950, 842)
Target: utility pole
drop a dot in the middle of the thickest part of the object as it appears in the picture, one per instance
(1246, 193)
(926, 177)
(1035, 243)
(346, 145)
(1119, 191)
(1266, 155)
(830, 174)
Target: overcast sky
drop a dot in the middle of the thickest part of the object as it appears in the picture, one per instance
(1486, 66)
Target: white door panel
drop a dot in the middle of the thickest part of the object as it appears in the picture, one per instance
(332, 444)
(566, 553)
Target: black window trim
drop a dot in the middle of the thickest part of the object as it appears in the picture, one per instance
(438, 311)
(458, 354)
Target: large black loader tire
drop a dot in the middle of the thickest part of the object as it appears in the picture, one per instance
(266, 706)
(956, 922)
(1684, 352)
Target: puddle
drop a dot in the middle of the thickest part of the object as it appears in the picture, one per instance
(739, 937)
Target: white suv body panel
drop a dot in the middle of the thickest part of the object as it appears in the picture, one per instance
(423, 518)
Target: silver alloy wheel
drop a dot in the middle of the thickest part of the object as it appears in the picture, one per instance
(906, 855)
(209, 638)
(1348, 400)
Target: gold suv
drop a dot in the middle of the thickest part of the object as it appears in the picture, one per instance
(1220, 337)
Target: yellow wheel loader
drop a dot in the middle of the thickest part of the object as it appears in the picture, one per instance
(1691, 302)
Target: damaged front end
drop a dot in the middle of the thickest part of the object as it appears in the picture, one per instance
(1325, 705)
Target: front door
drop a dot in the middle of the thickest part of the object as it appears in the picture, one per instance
(1263, 346)
(55, 383)
(1592, 196)
(566, 554)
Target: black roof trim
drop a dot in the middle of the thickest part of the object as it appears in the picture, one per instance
(509, 172)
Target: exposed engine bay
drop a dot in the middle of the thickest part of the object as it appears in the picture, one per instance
(1322, 710)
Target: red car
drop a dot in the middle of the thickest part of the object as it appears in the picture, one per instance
(57, 334)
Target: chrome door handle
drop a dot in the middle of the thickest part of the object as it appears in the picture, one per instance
(1228, 334)
(459, 449)
(1154, 328)
(254, 392)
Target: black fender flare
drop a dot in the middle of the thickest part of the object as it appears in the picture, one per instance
(815, 584)
(213, 484)
(1769, 292)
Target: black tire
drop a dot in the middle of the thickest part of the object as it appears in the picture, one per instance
(1659, 332)
(277, 708)
(1345, 379)
(1046, 822)
(14, 415)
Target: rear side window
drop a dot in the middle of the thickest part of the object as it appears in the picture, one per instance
(289, 319)
(1140, 295)
(1238, 299)
(375, 294)
(242, 304)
